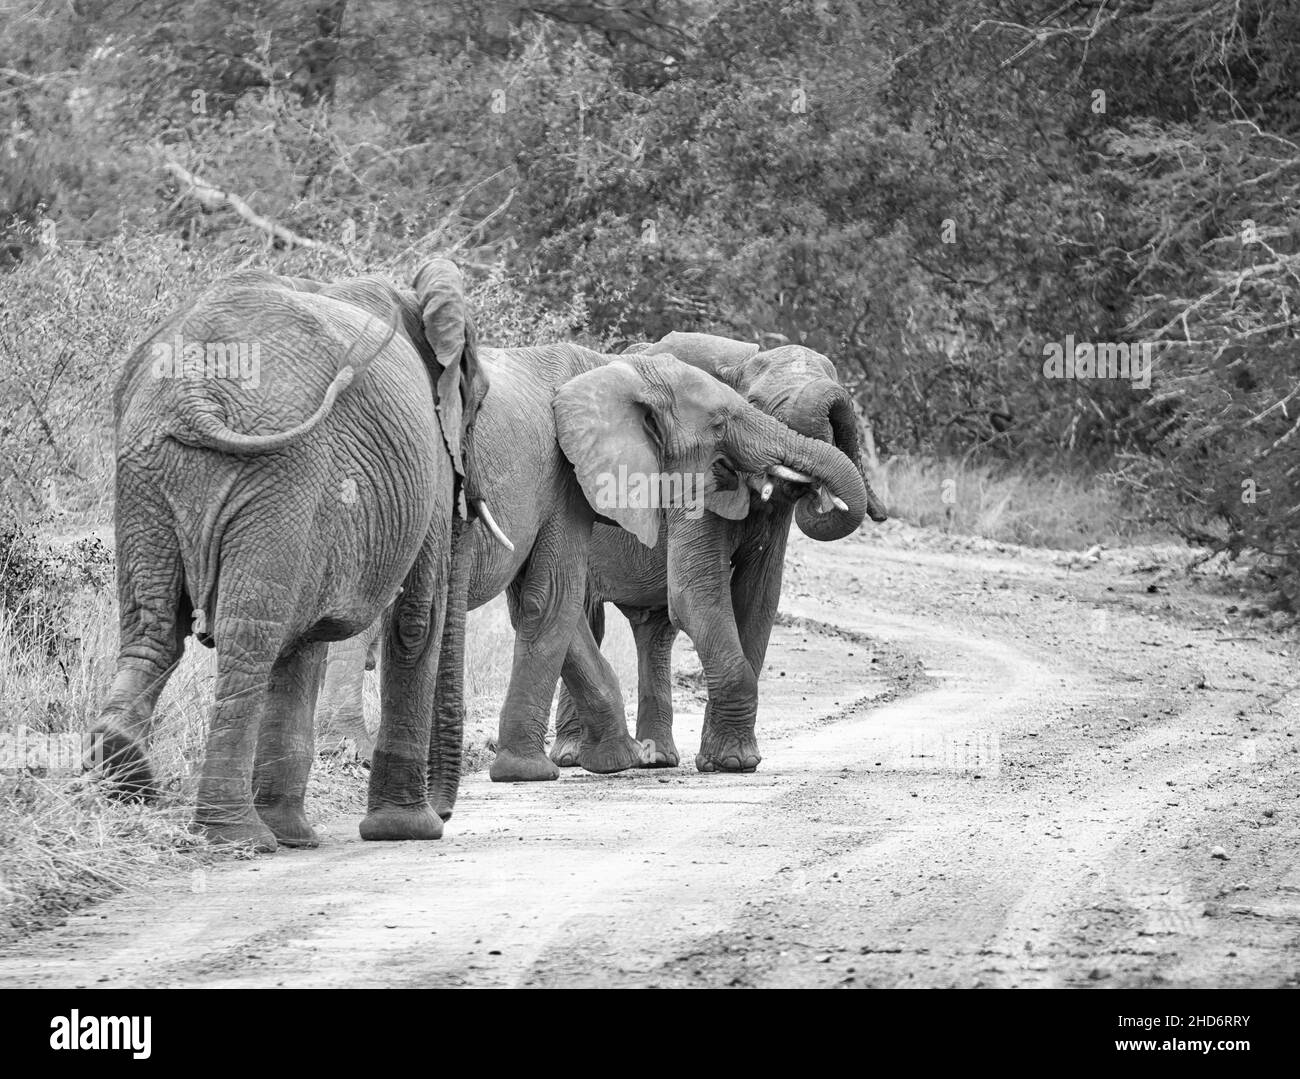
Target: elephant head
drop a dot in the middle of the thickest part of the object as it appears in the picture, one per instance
(460, 381)
(648, 432)
(798, 387)
(450, 333)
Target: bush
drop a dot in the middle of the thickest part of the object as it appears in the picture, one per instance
(41, 587)
(928, 223)
(71, 318)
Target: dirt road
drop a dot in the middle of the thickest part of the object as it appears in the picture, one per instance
(979, 769)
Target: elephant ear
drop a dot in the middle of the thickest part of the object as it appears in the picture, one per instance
(722, 357)
(731, 503)
(460, 381)
(605, 427)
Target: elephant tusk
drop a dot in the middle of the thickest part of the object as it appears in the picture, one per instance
(781, 472)
(827, 501)
(492, 525)
(766, 492)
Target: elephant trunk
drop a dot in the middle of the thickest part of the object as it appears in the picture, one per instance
(772, 443)
(446, 747)
(834, 409)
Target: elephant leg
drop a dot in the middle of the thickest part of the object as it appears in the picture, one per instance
(729, 742)
(654, 635)
(154, 616)
(398, 801)
(249, 644)
(285, 744)
(606, 746)
(341, 711)
(120, 734)
(568, 724)
(545, 606)
(703, 609)
(446, 746)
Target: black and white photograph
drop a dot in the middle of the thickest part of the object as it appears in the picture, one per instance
(651, 494)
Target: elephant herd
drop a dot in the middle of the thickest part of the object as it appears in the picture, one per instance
(385, 470)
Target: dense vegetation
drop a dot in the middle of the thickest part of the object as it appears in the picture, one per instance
(932, 193)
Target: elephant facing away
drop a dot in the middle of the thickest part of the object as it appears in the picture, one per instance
(271, 515)
(566, 437)
(718, 577)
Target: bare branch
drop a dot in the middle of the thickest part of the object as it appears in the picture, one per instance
(209, 195)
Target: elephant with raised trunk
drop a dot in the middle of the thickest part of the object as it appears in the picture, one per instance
(272, 507)
(565, 438)
(718, 577)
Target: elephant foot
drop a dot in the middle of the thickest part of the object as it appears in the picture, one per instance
(615, 754)
(512, 767)
(288, 823)
(566, 750)
(241, 832)
(728, 752)
(389, 823)
(661, 750)
(123, 762)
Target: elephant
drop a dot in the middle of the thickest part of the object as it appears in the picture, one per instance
(340, 712)
(290, 465)
(718, 577)
(566, 438)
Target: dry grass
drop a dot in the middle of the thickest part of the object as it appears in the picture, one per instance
(1035, 509)
(64, 843)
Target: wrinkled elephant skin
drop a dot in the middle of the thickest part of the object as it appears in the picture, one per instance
(269, 508)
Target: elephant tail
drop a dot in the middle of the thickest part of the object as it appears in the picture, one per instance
(208, 430)
(202, 423)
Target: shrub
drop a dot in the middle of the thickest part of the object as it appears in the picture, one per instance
(41, 585)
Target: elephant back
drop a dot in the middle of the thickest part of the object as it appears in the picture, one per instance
(719, 356)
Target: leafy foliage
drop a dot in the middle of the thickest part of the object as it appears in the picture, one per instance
(39, 585)
(931, 193)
